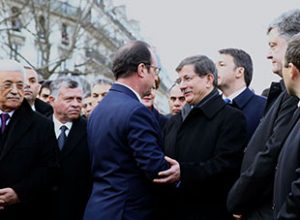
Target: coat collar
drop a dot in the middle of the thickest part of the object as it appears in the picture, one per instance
(18, 126)
(242, 99)
(121, 88)
(75, 136)
(210, 105)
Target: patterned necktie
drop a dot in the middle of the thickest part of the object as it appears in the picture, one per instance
(4, 118)
(62, 137)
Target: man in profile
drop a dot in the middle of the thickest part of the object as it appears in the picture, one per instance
(235, 70)
(125, 143)
(251, 195)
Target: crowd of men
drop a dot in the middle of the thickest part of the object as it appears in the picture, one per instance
(223, 152)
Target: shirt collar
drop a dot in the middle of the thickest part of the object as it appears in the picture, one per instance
(235, 94)
(9, 113)
(137, 95)
(58, 124)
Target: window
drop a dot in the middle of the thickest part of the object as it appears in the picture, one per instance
(41, 27)
(64, 34)
(15, 19)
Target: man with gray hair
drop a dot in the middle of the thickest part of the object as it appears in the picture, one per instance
(27, 150)
(251, 195)
(207, 139)
(74, 182)
(99, 89)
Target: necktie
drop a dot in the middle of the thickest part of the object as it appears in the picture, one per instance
(4, 118)
(227, 101)
(62, 137)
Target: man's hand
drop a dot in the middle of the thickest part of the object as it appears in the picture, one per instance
(237, 217)
(7, 197)
(170, 175)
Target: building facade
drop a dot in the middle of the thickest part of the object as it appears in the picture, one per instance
(66, 37)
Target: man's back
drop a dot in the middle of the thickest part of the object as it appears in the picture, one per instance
(125, 153)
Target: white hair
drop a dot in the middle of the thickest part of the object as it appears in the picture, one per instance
(7, 65)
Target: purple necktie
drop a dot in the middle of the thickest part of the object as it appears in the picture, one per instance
(4, 118)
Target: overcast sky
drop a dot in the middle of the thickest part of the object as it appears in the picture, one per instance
(180, 28)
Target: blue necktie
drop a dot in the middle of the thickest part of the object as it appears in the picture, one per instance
(62, 137)
(227, 101)
(4, 118)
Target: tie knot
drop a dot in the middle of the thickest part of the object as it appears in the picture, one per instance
(63, 128)
(4, 117)
(227, 100)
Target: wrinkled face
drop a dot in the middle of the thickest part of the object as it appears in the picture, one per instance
(176, 100)
(32, 85)
(277, 48)
(11, 90)
(98, 92)
(148, 100)
(44, 95)
(87, 106)
(226, 70)
(194, 87)
(67, 106)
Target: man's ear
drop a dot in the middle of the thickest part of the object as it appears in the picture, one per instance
(295, 73)
(240, 72)
(51, 99)
(210, 80)
(141, 70)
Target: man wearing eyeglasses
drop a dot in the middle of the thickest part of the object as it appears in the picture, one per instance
(207, 139)
(125, 143)
(27, 150)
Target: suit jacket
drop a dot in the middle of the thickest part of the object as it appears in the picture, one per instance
(43, 107)
(287, 177)
(74, 180)
(162, 119)
(28, 163)
(208, 144)
(126, 156)
(253, 108)
(251, 194)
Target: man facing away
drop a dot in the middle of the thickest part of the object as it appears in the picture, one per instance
(125, 143)
(235, 72)
(27, 151)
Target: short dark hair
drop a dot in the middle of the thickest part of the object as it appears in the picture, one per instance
(202, 66)
(128, 57)
(45, 84)
(287, 24)
(241, 59)
(292, 54)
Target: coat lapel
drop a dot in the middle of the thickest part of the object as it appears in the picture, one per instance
(75, 136)
(18, 126)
